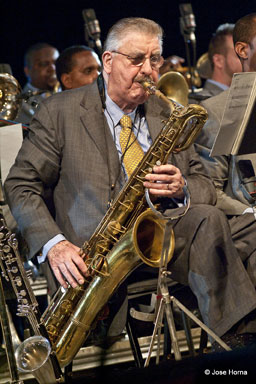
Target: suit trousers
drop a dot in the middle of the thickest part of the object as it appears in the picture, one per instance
(216, 257)
(214, 265)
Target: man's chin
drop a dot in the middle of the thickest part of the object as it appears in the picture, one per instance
(140, 94)
(142, 98)
(52, 84)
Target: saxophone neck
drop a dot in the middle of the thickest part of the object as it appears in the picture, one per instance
(151, 89)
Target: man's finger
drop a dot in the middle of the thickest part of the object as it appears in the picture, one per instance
(72, 276)
(59, 277)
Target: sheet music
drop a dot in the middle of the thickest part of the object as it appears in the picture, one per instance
(232, 137)
(10, 142)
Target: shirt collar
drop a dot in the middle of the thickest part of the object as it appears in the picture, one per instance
(32, 87)
(220, 85)
(115, 112)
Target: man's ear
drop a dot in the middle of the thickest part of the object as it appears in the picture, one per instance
(242, 50)
(26, 71)
(218, 60)
(107, 61)
(66, 80)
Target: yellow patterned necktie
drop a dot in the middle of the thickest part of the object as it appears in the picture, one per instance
(131, 149)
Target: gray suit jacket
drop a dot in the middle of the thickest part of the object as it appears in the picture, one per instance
(212, 89)
(223, 169)
(204, 93)
(28, 108)
(71, 151)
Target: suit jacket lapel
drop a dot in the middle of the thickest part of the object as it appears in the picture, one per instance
(95, 123)
(156, 112)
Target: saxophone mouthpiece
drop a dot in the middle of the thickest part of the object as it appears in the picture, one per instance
(148, 85)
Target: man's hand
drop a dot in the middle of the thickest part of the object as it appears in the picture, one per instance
(67, 264)
(166, 180)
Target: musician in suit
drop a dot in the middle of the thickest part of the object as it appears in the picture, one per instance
(223, 63)
(73, 147)
(228, 171)
(76, 66)
(224, 169)
(39, 68)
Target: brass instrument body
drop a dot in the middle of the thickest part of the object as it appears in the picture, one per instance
(14, 272)
(128, 254)
(9, 102)
(11, 96)
(111, 253)
(40, 359)
(174, 86)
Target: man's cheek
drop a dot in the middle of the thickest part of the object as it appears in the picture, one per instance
(155, 76)
(253, 63)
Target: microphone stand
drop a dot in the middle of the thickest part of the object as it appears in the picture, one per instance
(187, 27)
(92, 30)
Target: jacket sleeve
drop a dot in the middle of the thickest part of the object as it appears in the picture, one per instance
(28, 184)
(218, 167)
(200, 185)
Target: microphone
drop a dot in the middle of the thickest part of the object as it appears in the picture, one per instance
(5, 68)
(92, 29)
(187, 22)
(248, 179)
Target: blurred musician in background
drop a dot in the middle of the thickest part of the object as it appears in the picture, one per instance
(39, 68)
(76, 66)
(171, 63)
(224, 62)
(223, 59)
(224, 169)
(230, 172)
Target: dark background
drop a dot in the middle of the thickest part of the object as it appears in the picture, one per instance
(60, 23)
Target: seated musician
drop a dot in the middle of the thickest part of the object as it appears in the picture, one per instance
(85, 144)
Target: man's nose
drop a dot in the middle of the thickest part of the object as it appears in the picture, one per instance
(91, 79)
(51, 68)
(146, 67)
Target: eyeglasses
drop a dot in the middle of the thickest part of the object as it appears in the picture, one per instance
(156, 61)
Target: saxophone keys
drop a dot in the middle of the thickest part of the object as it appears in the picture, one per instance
(100, 266)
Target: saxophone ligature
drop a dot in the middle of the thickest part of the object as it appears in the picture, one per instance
(128, 235)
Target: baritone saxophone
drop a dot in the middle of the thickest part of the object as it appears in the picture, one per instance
(128, 235)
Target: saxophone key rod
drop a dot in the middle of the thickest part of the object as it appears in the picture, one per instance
(13, 370)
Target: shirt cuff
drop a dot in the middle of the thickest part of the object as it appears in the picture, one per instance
(185, 190)
(46, 248)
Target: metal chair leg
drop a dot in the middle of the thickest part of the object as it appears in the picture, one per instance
(187, 329)
(134, 341)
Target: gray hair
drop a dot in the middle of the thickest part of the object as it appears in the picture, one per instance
(131, 24)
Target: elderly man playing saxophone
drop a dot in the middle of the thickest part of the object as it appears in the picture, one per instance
(73, 148)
